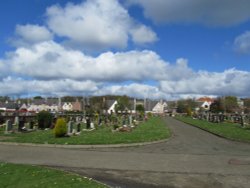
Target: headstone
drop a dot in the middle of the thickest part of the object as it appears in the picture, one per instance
(8, 127)
(16, 120)
(123, 121)
(242, 120)
(78, 127)
(92, 126)
(130, 120)
(31, 124)
(21, 125)
(88, 122)
(70, 127)
(99, 121)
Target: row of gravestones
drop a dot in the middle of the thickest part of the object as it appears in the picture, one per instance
(10, 125)
(75, 125)
(219, 118)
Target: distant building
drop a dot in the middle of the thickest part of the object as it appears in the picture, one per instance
(160, 108)
(67, 106)
(204, 103)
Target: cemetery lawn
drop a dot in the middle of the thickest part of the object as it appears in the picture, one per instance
(227, 130)
(152, 130)
(19, 176)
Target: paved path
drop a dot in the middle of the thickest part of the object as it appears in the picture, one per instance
(191, 158)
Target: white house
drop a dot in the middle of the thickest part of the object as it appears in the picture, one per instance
(160, 107)
(38, 108)
(204, 103)
(112, 107)
(67, 106)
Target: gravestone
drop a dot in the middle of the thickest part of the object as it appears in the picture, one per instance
(31, 124)
(70, 127)
(78, 127)
(242, 120)
(99, 121)
(9, 126)
(16, 120)
(21, 125)
(88, 122)
(92, 126)
(130, 120)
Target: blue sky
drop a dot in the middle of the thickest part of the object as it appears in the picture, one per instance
(156, 49)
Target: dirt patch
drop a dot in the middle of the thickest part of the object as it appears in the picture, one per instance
(3, 138)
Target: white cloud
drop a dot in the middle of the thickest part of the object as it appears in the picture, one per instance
(97, 24)
(3, 69)
(242, 43)
(30, 34)
(229, 82)
(49, 60)
(20, 86)
(207, 12)
(48, 67)
(134, 90)
(143, 34)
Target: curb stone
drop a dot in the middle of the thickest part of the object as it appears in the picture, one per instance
(83, 146)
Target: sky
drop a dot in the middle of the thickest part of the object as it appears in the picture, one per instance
(161, 49)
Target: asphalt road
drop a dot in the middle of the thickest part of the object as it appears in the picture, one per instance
(191, 158)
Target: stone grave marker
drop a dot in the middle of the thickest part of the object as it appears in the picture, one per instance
(8, 126)
(70, 127)
(78, 127)
(21, 125)
(31, 125)
(92, 126)
(88, 122)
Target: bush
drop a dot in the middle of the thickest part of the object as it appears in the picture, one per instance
(149, 114)
(44, 119)
(60, 129)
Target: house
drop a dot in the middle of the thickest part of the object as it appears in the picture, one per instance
(72, 106)
(67, 106)
(38, 105)
(204, 103)
(9, 106)
(111, 106)
(77, 105)
(160, 107)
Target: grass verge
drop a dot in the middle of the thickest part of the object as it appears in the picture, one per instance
(152, 130)
(27, 176)
(228, 130)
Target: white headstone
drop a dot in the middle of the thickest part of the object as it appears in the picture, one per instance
(92, 126)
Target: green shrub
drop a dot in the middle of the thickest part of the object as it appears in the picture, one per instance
(149, 114)
(60, 129)
(44, 119)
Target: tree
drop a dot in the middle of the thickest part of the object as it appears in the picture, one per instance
(44, 119)
(38, 97)
(68, 99)
(122, 104)
(247, 105)
(186, 106)
(230, 104)
(217, 106)
(181, 106)
(140, 108)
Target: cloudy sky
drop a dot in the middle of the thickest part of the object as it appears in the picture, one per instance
(142, 48)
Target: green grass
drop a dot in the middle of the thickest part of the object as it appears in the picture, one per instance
(27, 176)
(227, 130)
(152, 130)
